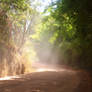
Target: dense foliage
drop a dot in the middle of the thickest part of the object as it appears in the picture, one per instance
(68, 28)
(78, 29)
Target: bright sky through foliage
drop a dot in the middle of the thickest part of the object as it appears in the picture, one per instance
(42, 4)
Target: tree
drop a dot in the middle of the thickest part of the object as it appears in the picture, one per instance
(9, 8)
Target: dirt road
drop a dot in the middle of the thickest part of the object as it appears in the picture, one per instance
(50, 81)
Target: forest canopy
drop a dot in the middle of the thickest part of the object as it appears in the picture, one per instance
(67, 28)
(61, 34)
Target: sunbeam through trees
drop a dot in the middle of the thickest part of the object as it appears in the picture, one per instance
(45, 46)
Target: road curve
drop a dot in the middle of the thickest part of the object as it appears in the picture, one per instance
(50, 81)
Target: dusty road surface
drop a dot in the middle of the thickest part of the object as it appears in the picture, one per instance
(48, 81)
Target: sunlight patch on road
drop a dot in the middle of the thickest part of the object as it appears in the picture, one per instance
(9, 78)
(46, 69)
